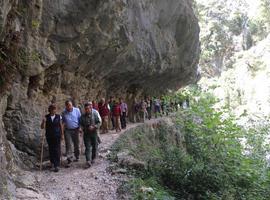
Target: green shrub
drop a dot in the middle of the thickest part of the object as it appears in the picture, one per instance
(214, 163)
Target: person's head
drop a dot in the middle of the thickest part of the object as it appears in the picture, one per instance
(52, 109)
(93, 102)
(121, 100)
(111, 98)
(88, 107)
(69, 105)
(102, 100)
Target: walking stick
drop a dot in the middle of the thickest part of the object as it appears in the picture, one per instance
(61, 156)
(42, 148)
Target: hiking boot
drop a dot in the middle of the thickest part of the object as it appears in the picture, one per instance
(69, 161)
(99, 140)
(88, 164)
(93, 162)
(56, 169)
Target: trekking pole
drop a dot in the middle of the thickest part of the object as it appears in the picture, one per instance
(42, 148)
(42, 145)
(81, 143)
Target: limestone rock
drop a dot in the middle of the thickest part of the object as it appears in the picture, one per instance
(87, 49)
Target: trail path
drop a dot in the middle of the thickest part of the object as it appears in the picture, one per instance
(95, 183)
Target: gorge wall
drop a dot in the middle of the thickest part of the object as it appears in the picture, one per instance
(52, 50)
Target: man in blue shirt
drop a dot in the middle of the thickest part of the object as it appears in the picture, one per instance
(71, 120)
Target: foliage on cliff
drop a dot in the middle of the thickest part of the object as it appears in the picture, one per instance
(227, 28)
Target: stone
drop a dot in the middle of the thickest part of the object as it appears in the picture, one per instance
(128, 161)
(119, 171)
(26, 194)
(147, 190)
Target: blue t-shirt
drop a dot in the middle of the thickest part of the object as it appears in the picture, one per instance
(72, 119)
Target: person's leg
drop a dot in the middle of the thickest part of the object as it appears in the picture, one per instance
(87, 144)
(94, 146)
(134, 117)
(58, 151)
(107, 123)
(142, 116)
(113, 124)
(49, 142)
(68, 145)
(98, 137)
(119, 123)
(103, 125)
(76, 143)
(124, 120)
(150, 113)
(56, 145)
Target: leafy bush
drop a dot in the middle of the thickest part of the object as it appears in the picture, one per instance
(220, 160)
(141, 189)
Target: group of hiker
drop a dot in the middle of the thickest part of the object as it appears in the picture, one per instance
(144, 108)
(75, 121)
(89, 119)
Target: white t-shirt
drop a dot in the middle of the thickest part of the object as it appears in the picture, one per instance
(53, 116)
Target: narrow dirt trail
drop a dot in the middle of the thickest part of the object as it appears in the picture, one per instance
(95, 183)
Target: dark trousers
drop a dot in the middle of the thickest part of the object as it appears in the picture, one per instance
(90, 143)
(113, 124)
(123, 120)
(149, 112)
(54, 144)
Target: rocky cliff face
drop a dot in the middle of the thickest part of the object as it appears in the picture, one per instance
(86, 49)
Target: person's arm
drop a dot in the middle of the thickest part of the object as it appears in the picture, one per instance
(98, 120)
(81, 124)
(63, 120)
(79, 119)
(79, 115)
(62, 129)
(126, 110)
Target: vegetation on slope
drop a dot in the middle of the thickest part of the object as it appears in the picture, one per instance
(217, 159)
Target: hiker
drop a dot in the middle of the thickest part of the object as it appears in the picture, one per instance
(143, 111)
(135, 111)
(111, 104)
(95, 105)
(90, 122)
(187, 101)
(162, 104)
(124, 113)
(116, 116)
(104, 112)
(156, 107)
(149, 107)
(54, 133)
(71, 118)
